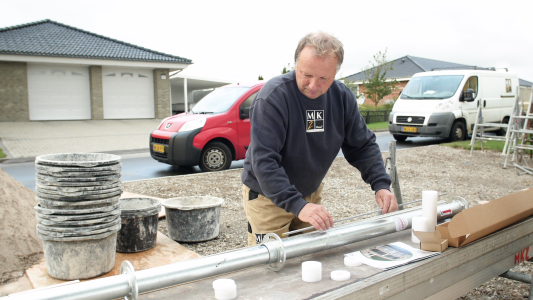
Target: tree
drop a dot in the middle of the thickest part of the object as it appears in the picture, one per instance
(376, 84)
(260, 78)
(287, 69)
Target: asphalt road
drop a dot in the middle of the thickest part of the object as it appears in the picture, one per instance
(141, 166)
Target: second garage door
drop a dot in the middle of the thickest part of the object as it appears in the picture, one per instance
(128, 93)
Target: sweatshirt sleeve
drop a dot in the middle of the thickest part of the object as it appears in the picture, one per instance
(267, 138)
(361, 150)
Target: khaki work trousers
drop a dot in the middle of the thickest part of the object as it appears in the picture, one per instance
(265, 217)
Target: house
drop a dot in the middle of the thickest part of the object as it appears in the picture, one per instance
(52, 71)
(404, 68)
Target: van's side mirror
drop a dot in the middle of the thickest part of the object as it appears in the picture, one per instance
(245, 113)
(469, 96)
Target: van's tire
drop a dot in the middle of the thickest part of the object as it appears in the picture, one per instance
(458, 132)
(399, 138)
(503, 131)
(215, 156)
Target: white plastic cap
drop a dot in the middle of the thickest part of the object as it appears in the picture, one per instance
(225, 289)
(352, 261)
(340, 275)
(311, 271)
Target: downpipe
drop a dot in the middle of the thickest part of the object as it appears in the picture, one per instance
(274, 252)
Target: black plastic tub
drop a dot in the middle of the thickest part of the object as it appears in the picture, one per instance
(193, 219)
(140, 217)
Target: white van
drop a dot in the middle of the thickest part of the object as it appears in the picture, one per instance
(444, 103)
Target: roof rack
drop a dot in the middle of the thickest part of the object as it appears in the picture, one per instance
(465, 68)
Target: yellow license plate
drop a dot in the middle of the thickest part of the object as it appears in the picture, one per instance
(408, 129)
(159, 148)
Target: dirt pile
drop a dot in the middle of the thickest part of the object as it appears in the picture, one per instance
(20, 247)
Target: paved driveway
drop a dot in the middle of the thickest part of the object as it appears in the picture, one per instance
(30, 139)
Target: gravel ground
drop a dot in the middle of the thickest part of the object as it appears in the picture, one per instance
(447, 170)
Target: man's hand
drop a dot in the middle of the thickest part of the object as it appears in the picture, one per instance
(386, 201)
(317, 215)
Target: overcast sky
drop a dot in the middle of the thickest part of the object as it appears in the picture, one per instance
(239, 40)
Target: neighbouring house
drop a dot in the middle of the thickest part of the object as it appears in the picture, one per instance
(52, 71)
(404, 68)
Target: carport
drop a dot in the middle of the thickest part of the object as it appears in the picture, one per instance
(187, 90)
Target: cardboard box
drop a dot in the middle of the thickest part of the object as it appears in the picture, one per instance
(478, 221)
(431, 241)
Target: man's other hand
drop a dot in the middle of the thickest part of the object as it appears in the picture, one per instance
(386, 201)
(317, 216)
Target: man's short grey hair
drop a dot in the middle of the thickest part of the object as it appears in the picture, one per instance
(323, 44)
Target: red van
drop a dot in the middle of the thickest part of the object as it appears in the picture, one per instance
(212, 135)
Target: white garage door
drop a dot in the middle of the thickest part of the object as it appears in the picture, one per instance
(59, 92)
(128, 93)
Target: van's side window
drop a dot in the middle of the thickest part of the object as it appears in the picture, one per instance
(471, 83)
(248, 102)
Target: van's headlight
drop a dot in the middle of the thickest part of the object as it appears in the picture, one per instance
(192, 125)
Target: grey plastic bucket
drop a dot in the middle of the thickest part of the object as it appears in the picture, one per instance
(79, 257)
(53, 195)
(68, 205)
(193, 219)
(78, 231)
(80, 189)
(50, 211)
(85, 160)
(76, 223)
(140, 217)
(80, 217)
(113, 168)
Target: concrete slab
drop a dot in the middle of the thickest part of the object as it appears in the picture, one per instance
(165, 252)
(31, 139)
(133, 195)
(20, 285)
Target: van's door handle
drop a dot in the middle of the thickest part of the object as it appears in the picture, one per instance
(484, 103)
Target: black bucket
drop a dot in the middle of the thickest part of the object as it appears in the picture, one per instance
(140, 217)
(193, 219)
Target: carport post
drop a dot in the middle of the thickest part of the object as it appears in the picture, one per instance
(186, 104)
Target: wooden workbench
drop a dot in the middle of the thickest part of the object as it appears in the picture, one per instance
(447, 276)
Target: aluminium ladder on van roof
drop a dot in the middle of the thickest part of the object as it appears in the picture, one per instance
(480, 126)
(519, 136)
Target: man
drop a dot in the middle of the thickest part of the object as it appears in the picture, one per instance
(299, 121)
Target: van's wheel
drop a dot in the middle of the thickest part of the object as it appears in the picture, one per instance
(458, 132)
(503, 130)
(215, 157)
(399, 138)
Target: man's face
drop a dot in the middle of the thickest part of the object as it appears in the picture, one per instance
(314, 74)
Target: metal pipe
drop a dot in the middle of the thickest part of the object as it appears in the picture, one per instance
(181, 272)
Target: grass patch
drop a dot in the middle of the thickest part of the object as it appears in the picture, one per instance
(487, 145)
(378, 126)
(2, 155)
(367, 107)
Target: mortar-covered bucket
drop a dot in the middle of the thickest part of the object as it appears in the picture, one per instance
(140, 217)
(193, 219)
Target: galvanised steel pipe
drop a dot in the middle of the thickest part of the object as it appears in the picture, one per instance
(270, 252)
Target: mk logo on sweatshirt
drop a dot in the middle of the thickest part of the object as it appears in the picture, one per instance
(315, 120)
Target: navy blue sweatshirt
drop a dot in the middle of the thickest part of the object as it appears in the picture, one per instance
(294, 141)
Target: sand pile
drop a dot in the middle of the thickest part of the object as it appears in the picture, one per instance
(20, 247)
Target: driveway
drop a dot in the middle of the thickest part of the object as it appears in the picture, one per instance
(31, 139)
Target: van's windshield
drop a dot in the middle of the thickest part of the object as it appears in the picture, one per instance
(219, 100)
(432, 87)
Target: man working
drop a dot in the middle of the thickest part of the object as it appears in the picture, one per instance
(299, 121)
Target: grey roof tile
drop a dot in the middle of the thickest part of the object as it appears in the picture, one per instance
(407, 66)
(525, 82)
(50, 38)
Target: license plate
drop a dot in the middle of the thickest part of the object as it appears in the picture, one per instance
(159, 148)
(408, 129)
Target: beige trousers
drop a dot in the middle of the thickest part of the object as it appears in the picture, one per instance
(265, 217)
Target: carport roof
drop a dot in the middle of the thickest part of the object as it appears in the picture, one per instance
(407, 66)
(50, 38)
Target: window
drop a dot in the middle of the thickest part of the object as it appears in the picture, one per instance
(471, 83)
(126, 74)
(508, 86)
(247, 103)
(110, 75)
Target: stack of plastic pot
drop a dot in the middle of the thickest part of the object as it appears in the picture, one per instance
(78, 215)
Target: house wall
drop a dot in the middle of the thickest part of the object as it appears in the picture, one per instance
(97, 95)
(14, 105)
(162, 100)
(394, 95)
